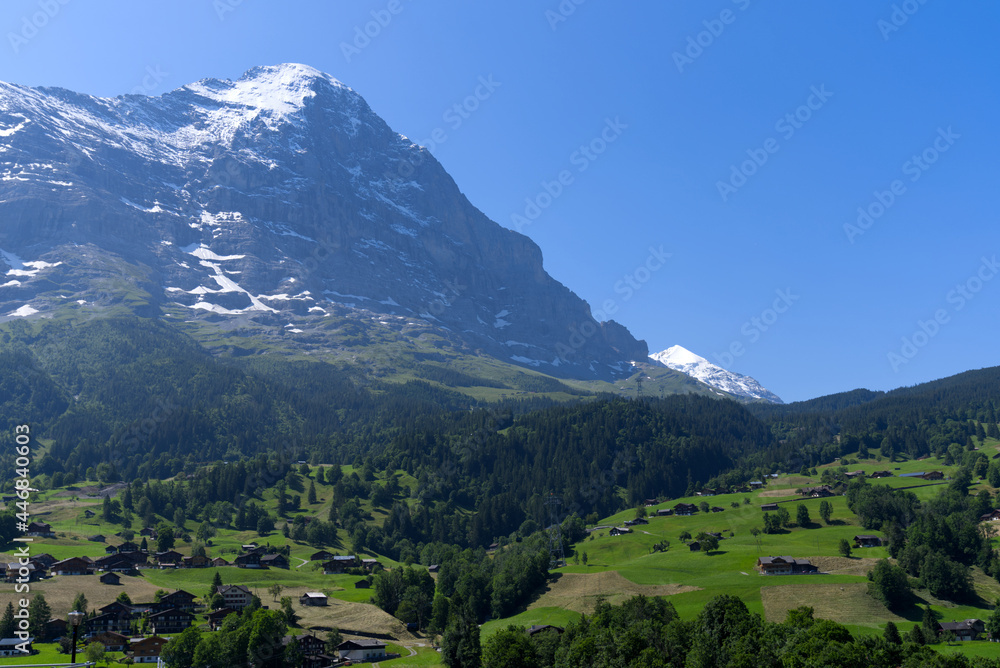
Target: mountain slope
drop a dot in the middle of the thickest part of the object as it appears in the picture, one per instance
(681, 359)
(271, 204)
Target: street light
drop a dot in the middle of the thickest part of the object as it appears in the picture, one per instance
(75, 618)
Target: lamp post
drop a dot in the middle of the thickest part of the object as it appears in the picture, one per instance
(75, 618)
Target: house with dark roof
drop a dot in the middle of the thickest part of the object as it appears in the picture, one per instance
(179, 599)
(148, 649)
(119, 622)
(619, 531)
(40, 530)
(216, 617)
(170, 621)
(881, 474)
(968, 629)
(361, 649)
(933, 475)
(784, 566)
(322, 555)
(72, 566)
(113, 642)
(340, 564)
(111, 579)
(313, 598)
(867, 541)
(685, 509)
(768, 506)
(249, 560)
(236, 596)
(664, 512)
(14, 646)
(274, 561)
(991, 516)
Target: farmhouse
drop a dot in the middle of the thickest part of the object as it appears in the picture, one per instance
(250, 560)
(322, 555)
(638, 520)
(769, 506)
(991, 516)
(664, 512)
(340, 564)
(362, 649)
(969, 629)
(784, 566)
(717, 509)
(867, 541)
(12, 646)
(148, 649)
(170, 621)
(171, 557)
(236, 596)
(685, 509)
(362, 584)
(756, 484)
(216, 617)
(197, 561)
(40, 529)
(274, 561)
(933, 475)
(881, 474)
(618, 531)
(817, 492)
(113, 642)
(179, 599)
(72, 566)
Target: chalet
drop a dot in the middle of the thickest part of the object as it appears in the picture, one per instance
(117, 607)
(685, 509)
(72, 566)
(170, 621)
(370, 564)
(707, 491)
(855, 474)
(991, 516)
(433, 568)
(179, 599)
(148, 533)
(12, 572)
(340, 564)
(768, 506)
(274, 561)
(881, 474)
(539, 628)
(219, 561)
(664, 512)
(362, 584)
(249, 560)
(40, 529)
(618, 531)
(313, 598)
(236, 596)
(784, 566)
(638, 520)
(216, 617)
(118, 622)
(493, 547)
(309, 643)
(110, 550)
(650, 502)
(717, 509)
(13, 646)
(968, 629)
(322, 555)
(817, 492)
(148, 649)
(933, 475)
(111, 579)
(867, 541)
(88, 513)
(251, 547)
(113, 642)
(56, 628)
(46, 559)
(756, 484)
(171, 557)
(197, 561)
(362, 649)
(97, 538)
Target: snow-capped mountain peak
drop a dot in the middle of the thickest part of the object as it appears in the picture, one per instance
(681, 359)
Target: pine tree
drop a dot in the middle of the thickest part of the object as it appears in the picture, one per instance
(39, 614)
(7, 623)
(216, 583)
(80, 603)
(891, 634)
(312, 492)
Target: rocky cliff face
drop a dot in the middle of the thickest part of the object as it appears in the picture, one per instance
(278, 200)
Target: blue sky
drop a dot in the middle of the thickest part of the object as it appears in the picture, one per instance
(739, 136)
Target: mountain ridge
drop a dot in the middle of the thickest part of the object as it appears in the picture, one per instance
(681, 359)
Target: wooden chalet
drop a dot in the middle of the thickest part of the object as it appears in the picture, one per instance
(72, 566)
(313, 598)
(113, 642)
(685, 509)
(274, 561)
(148, 649)
(619, 531)
(768, 506)
(991, 516)
(170, 621)
(784, 566)
(249, 560)
(867, 541)
(881, 474)
(236, 596)
(361, 650)
(965, 630)
(664, 512)
(40, 530)
(111, 579)
(216, 617)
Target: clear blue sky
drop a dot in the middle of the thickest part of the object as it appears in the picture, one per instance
(886, 93)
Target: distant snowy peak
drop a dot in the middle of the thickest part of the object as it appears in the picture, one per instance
(683, 360)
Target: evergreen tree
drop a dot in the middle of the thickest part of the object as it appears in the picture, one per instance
(891, 634)
(39, 614)
(825, 510)
(216, 582)
(993, 623)
(844, 546)
(916, 635)
(312, 492)
(80, 603)
(802, 515)
(7, 623)
(460, 642)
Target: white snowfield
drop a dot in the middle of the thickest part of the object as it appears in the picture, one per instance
(681, 359)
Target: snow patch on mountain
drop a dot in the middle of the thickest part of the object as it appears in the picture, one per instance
(683, 360)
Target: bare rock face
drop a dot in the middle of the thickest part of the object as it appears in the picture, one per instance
(278, 199)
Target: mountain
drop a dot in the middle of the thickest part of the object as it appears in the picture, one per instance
(685, 361)
(278, 207)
